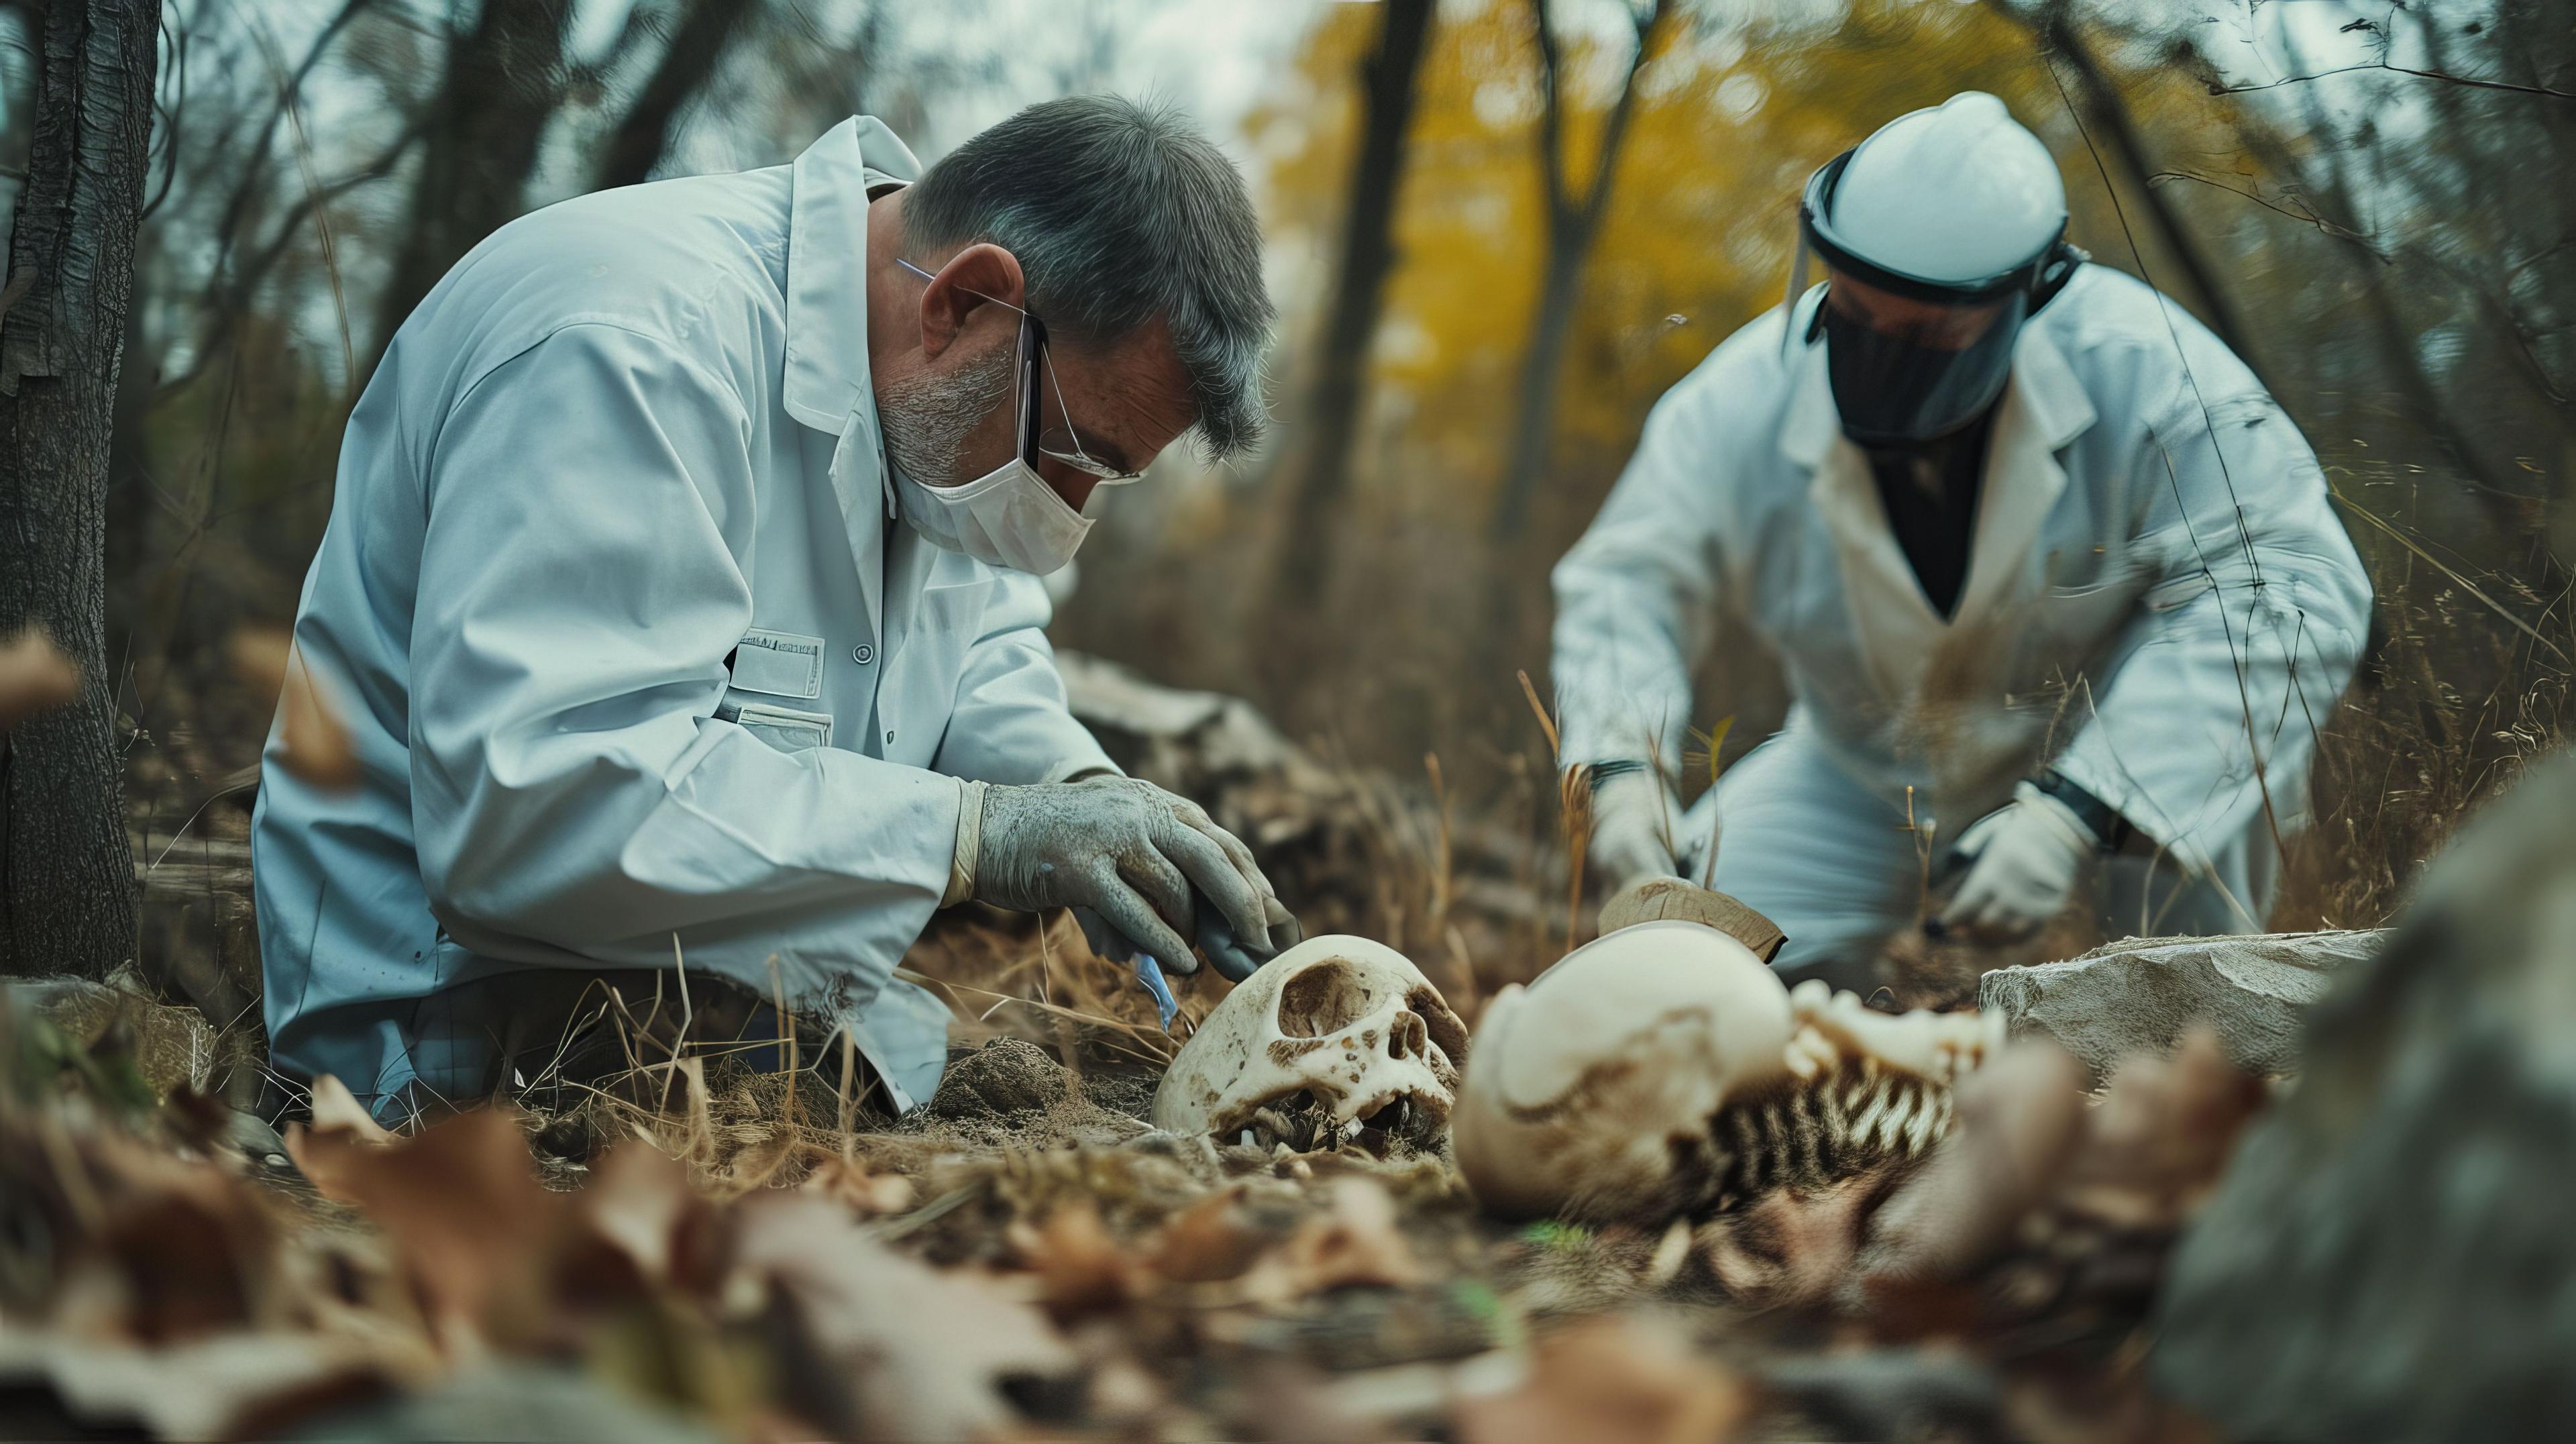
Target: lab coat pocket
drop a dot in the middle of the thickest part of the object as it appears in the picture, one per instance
(784, 728)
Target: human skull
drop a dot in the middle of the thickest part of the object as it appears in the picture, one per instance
(1663, 1068)
(1337, 1041)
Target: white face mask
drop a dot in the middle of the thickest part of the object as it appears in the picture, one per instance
(1010, 518)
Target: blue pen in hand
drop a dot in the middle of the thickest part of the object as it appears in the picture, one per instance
(1150, 973)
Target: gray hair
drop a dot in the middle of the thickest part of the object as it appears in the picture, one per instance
(1119, 213)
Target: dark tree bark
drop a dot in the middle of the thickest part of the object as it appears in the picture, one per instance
(1572, 224)
(66, 872)
(1388, 84)
(505, 80)
(697, 47)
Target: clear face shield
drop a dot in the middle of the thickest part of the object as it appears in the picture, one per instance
(1913, 360)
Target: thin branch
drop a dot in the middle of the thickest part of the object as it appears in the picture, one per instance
(235, 213)
(2303, 214)
(1614, 131)
(1551, 117)
(228, 302)
(2467, 80)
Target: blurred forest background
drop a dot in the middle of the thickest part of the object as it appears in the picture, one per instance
(1500, 229)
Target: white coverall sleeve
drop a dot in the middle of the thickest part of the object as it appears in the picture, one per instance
(1010, 723)
(2244, 643)
(570, 784)
(1637, 595)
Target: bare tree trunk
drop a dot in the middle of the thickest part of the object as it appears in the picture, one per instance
(2107, 118)
(697, 47)
(504, 82)
(1388, 77)
(66, 873)
(1572, 224)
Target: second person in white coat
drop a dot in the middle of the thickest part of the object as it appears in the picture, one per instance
(2057, 587)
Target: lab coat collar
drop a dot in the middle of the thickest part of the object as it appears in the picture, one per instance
(2057, 409)
(827, 265)
(2042, 410)
(828, 386)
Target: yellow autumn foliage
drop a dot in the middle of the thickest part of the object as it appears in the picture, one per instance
(1732, 117)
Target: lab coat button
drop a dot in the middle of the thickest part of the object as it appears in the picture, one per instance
(889, 738)
(863, 654)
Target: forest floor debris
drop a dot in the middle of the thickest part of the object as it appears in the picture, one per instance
(1025, 1256)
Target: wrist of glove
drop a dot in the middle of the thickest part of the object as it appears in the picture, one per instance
(1151, 869)
(2021, 863)
(1635, 818)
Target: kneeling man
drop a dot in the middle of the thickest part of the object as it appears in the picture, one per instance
(681, 592)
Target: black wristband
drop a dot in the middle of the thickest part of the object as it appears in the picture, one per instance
(2110, 829)
(1601, 772)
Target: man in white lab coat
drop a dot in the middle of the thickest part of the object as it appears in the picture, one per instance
(682, 592)
(2056, 585)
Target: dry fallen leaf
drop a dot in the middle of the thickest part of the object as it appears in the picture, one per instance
(1354, 1241)
(1081, 1270)
(341, 1129)
(2154, 1148)
(1611, 1381)
(1211, 1240)
(227, 1386)
(476, 1231)
(877, 1345)
(847, 1181)
(313, 743)
(34, 677)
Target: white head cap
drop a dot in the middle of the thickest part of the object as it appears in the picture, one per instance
(1958, 192)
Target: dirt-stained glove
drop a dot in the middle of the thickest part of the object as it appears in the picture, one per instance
(1150, 865)
(1215, 939)
(1634, 817)
(2021, 863)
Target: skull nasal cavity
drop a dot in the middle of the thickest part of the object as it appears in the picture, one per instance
(1407, 1037)
(1324, 997)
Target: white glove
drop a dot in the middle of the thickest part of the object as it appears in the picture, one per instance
(2023, 859)
(1634, 816)
(1146, 861)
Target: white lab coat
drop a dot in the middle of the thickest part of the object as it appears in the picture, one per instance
(635, 661)
(2159, 603)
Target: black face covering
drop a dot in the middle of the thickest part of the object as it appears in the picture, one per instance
(1893, 392)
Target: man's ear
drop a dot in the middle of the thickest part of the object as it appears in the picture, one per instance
(963, 292)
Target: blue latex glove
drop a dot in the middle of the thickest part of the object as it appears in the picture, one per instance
(1151, 975)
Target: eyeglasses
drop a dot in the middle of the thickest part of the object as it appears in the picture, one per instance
(1058, 443)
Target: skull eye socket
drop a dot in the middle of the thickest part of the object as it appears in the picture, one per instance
(1324, 998)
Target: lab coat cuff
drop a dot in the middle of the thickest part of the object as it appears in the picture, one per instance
(970, 833)
(2130, 801)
